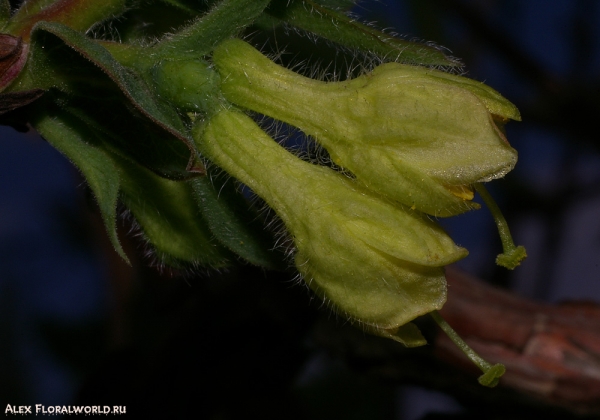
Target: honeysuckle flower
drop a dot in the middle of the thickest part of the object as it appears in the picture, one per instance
(421, 137)
(378, 262)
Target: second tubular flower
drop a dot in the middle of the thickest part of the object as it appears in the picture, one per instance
(378, 263)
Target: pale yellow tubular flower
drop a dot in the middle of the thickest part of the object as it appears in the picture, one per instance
(415, 135)
(376, 261)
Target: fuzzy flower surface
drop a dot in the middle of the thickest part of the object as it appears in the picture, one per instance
(377, 262)
(418, 136)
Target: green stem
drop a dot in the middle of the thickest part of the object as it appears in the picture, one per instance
(491, 373)
(29, 8)
(224, 21)
(512, 255)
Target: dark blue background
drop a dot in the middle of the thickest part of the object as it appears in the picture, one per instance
(544, 55)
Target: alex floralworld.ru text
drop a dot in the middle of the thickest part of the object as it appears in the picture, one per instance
(64, 409)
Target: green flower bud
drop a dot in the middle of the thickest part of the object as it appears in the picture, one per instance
(378, 262)
(189, 84)
(418, 136)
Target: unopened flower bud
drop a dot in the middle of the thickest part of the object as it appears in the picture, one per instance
(13, 55)
(188, 84)
(418, 136)
(378, 262)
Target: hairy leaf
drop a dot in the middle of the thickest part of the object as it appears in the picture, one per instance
(70, 138)
(233, 223)
(126, 132)
(311, 16)
(165, 210)
(169, 217)
(131, 85)
(118, 100)
(79, 15)
(165, 17)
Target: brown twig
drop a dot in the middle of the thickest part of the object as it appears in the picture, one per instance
(551, 352)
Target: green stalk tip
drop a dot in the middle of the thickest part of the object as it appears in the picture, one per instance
(512, 255)
(491, 373)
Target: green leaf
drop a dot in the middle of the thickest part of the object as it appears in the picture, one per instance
(233, 223)
(118, 100)
(166, 210)
(128, 133)
(127, 81)
(77, 14)
(225, 20)
(166, 17)
(169, 217)
(311, 16)
(69, 137)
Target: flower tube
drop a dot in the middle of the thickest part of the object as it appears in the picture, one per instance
(415, 135)
(377, 262)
